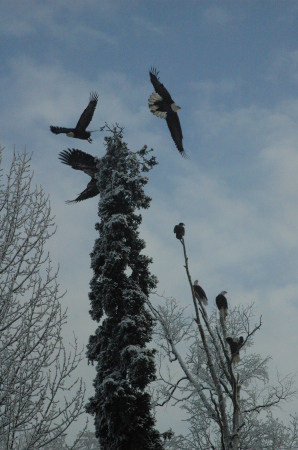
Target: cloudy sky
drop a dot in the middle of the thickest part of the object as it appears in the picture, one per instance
(233, 68)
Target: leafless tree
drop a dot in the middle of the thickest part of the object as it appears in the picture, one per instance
(228, 405)
(86, 442)
(89, 442)
(39, 396)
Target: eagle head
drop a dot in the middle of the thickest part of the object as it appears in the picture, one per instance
(175, 107)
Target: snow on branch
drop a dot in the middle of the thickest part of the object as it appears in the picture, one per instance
(39, 397)
(222, 398)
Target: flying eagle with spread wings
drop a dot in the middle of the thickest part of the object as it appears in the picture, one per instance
(80, 131)
(162, 105)
(79, 160)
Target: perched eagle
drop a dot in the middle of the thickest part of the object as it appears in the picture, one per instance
(222, 303)
(235, 345)
(162, 105)
(179, 230)
(79, 160)
(79, 131)
(200, 293)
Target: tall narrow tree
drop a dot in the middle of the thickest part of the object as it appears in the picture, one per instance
(119, 289)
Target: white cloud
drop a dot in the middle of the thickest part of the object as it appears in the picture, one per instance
(145, 25)
(216, 15)
(283, 64)
(22, 19)
(239, 202)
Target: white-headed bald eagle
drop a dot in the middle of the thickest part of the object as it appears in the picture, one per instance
(79, 160)
(162, 105)
(200, 293)
(79, 131)
(179, 230)
(222, 303)
(235, 345)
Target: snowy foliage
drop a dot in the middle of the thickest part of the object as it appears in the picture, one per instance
(86, 441)
(228, 405)
(38, 401)
(119, 289)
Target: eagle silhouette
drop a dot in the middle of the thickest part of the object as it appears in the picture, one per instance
(179, 230)
(235, 345)
(79, 160)
(162, 105)
(222, 303)
(80, 131)
(200, 293)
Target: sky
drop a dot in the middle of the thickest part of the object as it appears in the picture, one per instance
(233, 68)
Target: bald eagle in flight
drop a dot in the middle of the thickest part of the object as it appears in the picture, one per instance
(235, 345)
(162, 105)
(222, 303)
(200, 293)
(179, 231)
(79, 160)
(79, 131)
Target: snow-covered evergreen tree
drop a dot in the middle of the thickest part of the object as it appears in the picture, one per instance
(119, 289)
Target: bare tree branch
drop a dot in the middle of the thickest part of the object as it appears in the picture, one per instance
(39, 399)
(202, 370)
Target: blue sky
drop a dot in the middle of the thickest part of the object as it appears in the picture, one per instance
(233, 68)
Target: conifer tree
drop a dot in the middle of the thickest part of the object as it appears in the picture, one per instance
(119, 289)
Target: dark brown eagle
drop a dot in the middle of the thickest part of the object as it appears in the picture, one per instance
(79, 160)
(200, 293)
(179, 230)
(235, 345)
(79, 131)
(222, 303)
(162, 105)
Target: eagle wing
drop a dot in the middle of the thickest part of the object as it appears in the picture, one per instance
(159, 87)
(177, 229)
(221, 301)
(233, 345)
(200, 291)
(240, 341)
(87, 115)
(90, 191)
(79, 160)
(58, 130)
(174, 126)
